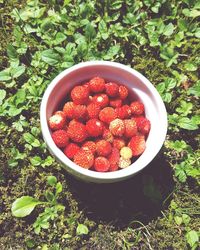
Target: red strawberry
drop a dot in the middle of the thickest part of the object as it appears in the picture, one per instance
(89, 145)
(112, 89)
(113, 159)
(68, 110)
(107, 115)
(137, 108)
(94, 127)
(93, 110)
(130, 128)
(117, 127)
(101, 164)
(84, 158)
(137, 144)
(57, 121)
(60, 138)
(123, 112)
(118, 143)
(145, 127)
(97, 84)
(116, 103)
(101, 99)
(123, 92)
(77, 131)
(80, 111)
(80, 95)
(87, 85)
(103, 148)
(71, 149)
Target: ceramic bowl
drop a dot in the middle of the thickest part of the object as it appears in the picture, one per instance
(139, 87)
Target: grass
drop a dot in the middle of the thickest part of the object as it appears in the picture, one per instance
(158, 208)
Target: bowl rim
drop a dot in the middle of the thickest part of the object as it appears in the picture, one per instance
(116, 175)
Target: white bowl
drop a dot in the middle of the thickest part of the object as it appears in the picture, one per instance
(142, 88)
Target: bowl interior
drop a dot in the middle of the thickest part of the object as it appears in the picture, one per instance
(139, 88)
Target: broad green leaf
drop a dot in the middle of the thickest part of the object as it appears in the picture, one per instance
(5, 75)
(169, 29)
(11, 51)
(112, 52)
(197, 33)
(48, 161)
(36, 160)
(51, 57)
(81, 229)
(90, 32)
(178, 220)
(23, 206)
(2, 95)
(103, 29)
(186, 123)
(60, 37)
(20, 96)
(190, 66)
(180, 172)
(186, 219)
(185, 108)
(191, 13)
(192, 238)
(29, 138)
(51, 180)
(18, 71)
(195, 89)
(58, 188)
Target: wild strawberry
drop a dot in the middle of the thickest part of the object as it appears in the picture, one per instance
(94, 127)
(80, 111)
(145, 127)
(126, 153)
(116, 103)
(118, 143)
(123, 92)
(57, 121)
(137, 108)
(123, 112)
(130, 128)
(80, 95)
(77, 131)
(89, 145)
(93, 110)
(124, 163)
(84, 158)
(113, 159)
(97, 84)
(143, 124)
(117, 127)
(112, 89)
(137, 144)
(70, 150)
(101, 164)
(68, 110)
(113, 167)
(60, 138)
(103, 148)
(107, 115)
(59, 112)
(87, 85)
(107, 135)
(101, 99)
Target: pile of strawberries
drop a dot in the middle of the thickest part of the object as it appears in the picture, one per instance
(99, 128)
